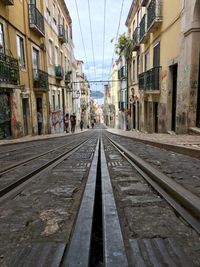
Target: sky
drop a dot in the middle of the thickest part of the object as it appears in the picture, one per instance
(95, 40)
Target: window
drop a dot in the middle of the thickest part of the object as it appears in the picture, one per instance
(2, 45)
(50, 52)
(56, 55)
(58, 100)
(20, 51)
(146, 62)
(35, 58)
(61, 58)
(134, 70)
(70, 31)
(65, 64)
(54, 9)
(53, 102)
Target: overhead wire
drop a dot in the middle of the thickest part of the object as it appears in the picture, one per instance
(104, 30)
(91, 34)
(82, 37)
(116, 38)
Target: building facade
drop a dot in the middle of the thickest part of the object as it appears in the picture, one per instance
(61, 63)
(22, 64)
(164, 73)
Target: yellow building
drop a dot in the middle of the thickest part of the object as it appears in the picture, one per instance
(60, 61)
(23, 77)
(82, 92)
(163, 77)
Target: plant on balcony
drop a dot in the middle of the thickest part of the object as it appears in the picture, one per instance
(124, 46)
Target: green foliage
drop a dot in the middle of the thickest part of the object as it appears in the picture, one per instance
(124, 46)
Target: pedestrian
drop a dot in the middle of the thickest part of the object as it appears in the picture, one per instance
(81, 124)
(66, 122)
(39, 120)
(73, 122)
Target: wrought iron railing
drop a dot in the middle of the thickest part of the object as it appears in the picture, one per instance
(8, 2)
(136, 38)
(141, 80)
(143, 2)
(143, 27)
(150, 80)
(36, 19)
(122, 73)
(154, 12)
(9, 70)
(68, 76)
(40, 79)
(59, 72)
(62, 34)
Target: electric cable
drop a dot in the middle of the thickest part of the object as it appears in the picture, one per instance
(104, 30)
(91, 34)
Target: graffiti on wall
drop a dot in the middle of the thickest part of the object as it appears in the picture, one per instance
(56, 121)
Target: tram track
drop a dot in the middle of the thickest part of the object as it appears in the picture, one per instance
(114, 217)
(13, 185)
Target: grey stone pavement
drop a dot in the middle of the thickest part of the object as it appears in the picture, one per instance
(191, 142)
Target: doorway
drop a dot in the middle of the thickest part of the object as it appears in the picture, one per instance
(25, 114)
(155, 116)
(174, 71)
(198, 99)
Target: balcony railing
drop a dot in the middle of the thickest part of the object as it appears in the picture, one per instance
(9, 70)
(59, 72)
(136, 38)
(143, 27)
(143, 2)
(154, 14)
(150, 80)
(40, 79)
(36, 20)
(68, 76)
(62, 34)
(122, 73)
(8, 2)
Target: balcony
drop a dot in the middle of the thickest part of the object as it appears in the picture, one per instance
(8, 2)
(122, 105)
(68, 77)
(143, 29)
(150, 80)
(122, 73)
(143, 2)
(59, 72)
(40, 80)
(9, 70)
(154, 15)
(36, 20)
(136, 39)
(62, 34)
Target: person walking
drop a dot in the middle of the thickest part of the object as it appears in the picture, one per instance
(73, 122)
(39, 120)
(66, 122)
(81, 124)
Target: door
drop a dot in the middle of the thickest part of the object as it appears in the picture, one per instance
(2, 43)
(174, 71)
(5, 117)
(156, 55)
(198, 99)
(25, 114)
(155, 114)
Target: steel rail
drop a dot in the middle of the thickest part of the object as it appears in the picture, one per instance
(17, 164)
(182, 200)
(7, 190)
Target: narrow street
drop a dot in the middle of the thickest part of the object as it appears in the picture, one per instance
(87, 197)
